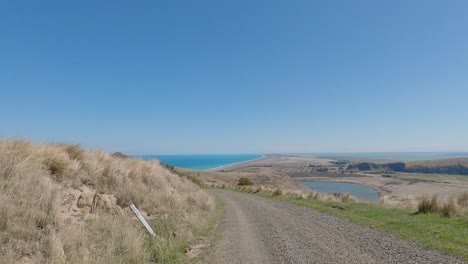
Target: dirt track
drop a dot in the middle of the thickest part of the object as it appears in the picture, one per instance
(259, 230)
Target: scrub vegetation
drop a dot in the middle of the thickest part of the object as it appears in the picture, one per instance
(62, 204)
(244, 181)
(455, 205)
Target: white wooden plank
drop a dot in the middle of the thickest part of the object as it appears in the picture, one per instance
(142, 219)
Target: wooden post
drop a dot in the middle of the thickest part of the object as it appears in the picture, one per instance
(142, 220)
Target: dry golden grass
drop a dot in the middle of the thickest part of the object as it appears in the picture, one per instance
(463, 199)
(429, 205)
(451, 206)
(62, 204)
(294, 193)
(345, 198)
(449, 209)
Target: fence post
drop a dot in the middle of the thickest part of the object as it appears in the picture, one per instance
(142, 220)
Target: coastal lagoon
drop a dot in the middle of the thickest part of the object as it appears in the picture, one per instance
(202, 162)
(357, 190)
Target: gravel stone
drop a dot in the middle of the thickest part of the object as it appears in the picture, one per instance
(260, 230)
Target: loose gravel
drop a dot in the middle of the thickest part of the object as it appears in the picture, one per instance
(260, 230)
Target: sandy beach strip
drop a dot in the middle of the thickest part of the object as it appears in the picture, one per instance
(235, 164)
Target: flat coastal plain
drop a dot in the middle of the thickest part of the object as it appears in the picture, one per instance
(396, 188)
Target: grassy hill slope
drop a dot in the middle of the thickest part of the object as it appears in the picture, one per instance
(61, 204)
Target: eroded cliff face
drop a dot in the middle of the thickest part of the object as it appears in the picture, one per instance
(457, 166)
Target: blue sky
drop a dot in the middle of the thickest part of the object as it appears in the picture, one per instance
(168, 77)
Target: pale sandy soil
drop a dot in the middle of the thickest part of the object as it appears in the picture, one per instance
(277, 161)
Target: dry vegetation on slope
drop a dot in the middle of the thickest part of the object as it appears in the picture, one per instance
(264, 181)
(61, 204)
(266, 177)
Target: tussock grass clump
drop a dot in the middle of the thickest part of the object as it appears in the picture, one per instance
(193, 178)
(449, 209)
(259, 189)
(346, 198)
(452, 206)
(429, 205)
(62, 204)
(313, 195)
(277, 192)
(298, 194)
(463, 199)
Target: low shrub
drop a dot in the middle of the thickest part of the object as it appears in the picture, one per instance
(167, 166)
(277, 192)
(119, 155)
(244, 181)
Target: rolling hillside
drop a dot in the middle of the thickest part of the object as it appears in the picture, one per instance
(62, 204)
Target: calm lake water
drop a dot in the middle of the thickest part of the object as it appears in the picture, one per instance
(201, 162)
(357, 190)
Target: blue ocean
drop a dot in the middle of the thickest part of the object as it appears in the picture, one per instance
(201, 162)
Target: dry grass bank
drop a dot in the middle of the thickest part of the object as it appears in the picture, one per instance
(450, 206)
(263, 181)
(297, 193)
(266, 177)
(454, 205)
(61, 204)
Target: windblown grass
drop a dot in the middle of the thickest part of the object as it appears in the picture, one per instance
(62, 204)
(302, 194)
(429, 205)
(451, 206)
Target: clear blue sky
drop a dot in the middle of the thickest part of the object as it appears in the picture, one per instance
(167, 77)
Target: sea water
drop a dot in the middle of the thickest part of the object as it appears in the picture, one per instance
(202, 162)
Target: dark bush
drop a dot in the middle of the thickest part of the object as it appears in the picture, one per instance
(244, 181)
(119, 155)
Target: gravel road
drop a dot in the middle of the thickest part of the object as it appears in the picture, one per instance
(260, 230)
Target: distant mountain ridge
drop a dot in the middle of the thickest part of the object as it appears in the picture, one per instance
(457, 166)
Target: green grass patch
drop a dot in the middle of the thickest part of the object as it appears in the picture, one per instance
(430, 230)
(208, 234)
(170, 247)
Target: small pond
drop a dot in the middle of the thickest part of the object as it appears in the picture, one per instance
(357, 190)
